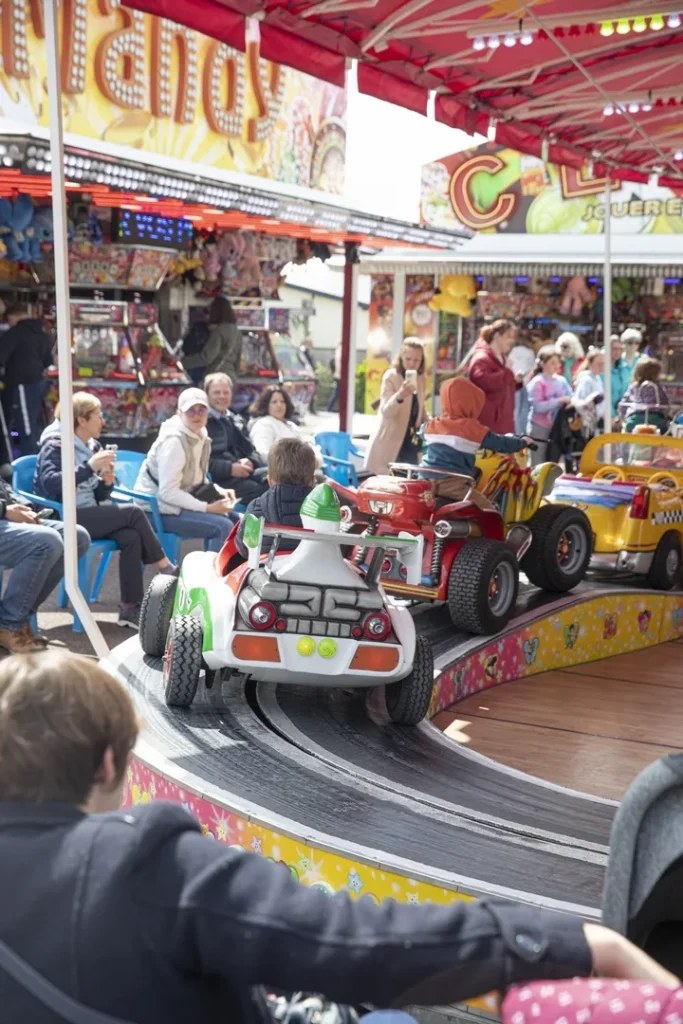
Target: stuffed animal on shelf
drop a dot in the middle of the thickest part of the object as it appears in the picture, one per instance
(15, 227)
(41, 232)
(456, 294)
(576, 296)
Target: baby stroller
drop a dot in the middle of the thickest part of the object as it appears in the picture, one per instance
(643, 897)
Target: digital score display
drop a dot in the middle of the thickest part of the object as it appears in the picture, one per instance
(129, 227)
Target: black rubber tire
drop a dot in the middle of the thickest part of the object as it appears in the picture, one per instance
(540, 563)
(182, 660)
(408, 700)
(155, 614)
(660, 577)
(468, 587)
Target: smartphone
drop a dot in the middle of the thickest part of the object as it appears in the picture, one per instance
(411, 376)
(45, 513)
(111, 447)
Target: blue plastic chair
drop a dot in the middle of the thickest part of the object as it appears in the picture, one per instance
(127, 469)
(22, 483)
(336, 447)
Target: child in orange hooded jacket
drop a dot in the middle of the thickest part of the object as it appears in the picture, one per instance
(454, 438)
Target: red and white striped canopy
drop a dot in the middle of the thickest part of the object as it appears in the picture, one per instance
(575, 81)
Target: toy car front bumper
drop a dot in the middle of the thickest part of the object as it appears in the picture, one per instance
(623, 561)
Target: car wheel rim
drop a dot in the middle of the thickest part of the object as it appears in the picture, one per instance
(501, 588)
(672, 563)
(168, 654)
(571, 550)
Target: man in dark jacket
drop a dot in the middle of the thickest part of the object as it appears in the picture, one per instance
(136, 914)
(34, 551)
(234, 464)
(25, 353)
(291, 475)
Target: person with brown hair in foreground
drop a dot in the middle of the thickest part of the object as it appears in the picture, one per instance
(136, 914)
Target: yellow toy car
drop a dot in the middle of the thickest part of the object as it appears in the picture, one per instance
(630, 487)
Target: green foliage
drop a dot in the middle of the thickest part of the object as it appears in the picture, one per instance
(360, 387)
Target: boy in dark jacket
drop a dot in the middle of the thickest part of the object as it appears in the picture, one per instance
(25, 353)
(291, 475)
(234, 462)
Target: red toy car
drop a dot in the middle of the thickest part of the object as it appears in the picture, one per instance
(471, 556)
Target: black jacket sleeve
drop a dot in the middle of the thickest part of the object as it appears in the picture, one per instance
(8, 343)
(228, 444)
(225, 913)
(48, 479)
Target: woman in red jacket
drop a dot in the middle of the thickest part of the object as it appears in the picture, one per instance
(490, 372)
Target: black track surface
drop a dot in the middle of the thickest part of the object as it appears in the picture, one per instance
(316, 759)
(417, 760)
(223, 742)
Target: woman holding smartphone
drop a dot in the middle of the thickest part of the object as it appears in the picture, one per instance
(401, 410)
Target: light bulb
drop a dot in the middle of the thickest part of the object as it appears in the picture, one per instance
(607, 28)
(623, 26)
(608, 111)
(646, 108)
(510, 39)
(633, 108)
(491, 133)
(674, 21)
(493, 42)
(478, 44)
(656, 22)
(678, 155)
(639, 24)
(526, 38)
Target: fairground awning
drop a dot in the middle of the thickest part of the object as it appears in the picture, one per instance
(635, 256)
(574, 81)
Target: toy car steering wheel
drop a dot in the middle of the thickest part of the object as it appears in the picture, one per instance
(665, 479)
(610, 473)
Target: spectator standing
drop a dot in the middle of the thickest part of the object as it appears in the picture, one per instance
(273, 418)
(589, 383)
(234, 462)
(308, 355)
(489, 370)
(223, 349)
(620, 376)
(401, 410)
(631, 340)
(206, 922)
(645, 400)
(570, 351)
(548, 392)
(522, 362)
(336, 377)
(126, 524)
(175, 471)
(34, 550)
(25, 353)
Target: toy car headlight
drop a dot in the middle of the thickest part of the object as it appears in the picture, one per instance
(381, 508)
(262, 615)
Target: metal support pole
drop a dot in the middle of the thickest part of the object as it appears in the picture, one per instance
(347, 387)
(607, 305)
(399, 311)
(61, 256)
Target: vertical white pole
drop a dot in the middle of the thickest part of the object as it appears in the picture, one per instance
(61, 258)
(607, 309)
(353, 343)
(399, 311)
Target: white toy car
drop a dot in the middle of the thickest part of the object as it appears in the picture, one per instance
(309, 617)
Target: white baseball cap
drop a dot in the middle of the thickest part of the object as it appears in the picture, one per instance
(190, 397)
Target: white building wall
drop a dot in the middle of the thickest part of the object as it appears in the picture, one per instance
(325, 327)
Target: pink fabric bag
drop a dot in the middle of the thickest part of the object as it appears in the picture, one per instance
(592, 1001)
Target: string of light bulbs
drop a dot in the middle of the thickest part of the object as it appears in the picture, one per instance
(620, 26)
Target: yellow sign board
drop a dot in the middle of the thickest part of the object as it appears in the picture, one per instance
(143, 82)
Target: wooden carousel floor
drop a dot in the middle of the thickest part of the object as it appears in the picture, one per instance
(591, 728)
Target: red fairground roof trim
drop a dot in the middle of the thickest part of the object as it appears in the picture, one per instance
(577, 81)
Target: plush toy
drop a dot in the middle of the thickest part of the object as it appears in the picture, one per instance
(576, 296)
(40, 232)
(15, 227)
(455, 294)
